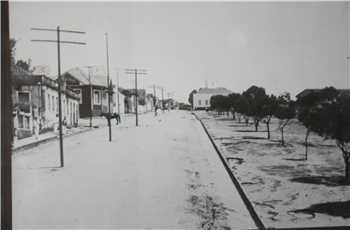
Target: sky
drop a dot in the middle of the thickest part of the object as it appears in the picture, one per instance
(279, 46)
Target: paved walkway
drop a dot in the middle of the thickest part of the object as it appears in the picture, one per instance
(163, 174)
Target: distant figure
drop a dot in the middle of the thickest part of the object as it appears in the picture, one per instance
(36, 128)
(156, 110)
(64, 124)
(117, 117)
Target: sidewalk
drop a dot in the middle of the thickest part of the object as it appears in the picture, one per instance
(97, 122)
(32, 141)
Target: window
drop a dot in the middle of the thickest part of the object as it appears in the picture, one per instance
(206, 102)
(48, 102)
(97, 97)
(78, 91)
(23, 97)
(20, 121)
(57, 104)
(53, 103)
(26, 124)
(199, 102)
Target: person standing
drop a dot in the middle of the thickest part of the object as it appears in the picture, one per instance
(36, 128)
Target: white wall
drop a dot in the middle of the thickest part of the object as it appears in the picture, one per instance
(200, 99)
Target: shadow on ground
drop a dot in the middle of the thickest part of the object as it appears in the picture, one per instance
(339, 209)
(321, 180)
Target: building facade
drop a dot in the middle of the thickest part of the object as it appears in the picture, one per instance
(35, 100)
(92, 90)
(201, 99)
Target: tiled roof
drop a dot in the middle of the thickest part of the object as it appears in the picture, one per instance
(82, 76)
(219, 90)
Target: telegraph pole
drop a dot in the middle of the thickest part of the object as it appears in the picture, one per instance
(91, 95)
(136, 72)
(155, 97)
(58, 41)
(109, 89)
(118, 92)
(162, 99)
(154, 100)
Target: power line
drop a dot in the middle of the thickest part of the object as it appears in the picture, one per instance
(109, 91)
(58, 41)
(136, 72)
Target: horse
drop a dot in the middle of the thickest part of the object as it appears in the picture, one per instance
(111, 116)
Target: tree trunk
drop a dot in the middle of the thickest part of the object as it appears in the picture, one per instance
(246, 121)
(282, 136)
(306, 142)
(233, 115)
(256, 124)
(346, 156)
(268, 128)
(347, 169)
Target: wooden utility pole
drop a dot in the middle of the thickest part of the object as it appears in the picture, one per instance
(91, 94)
(162, 98)
(118, 93)
(136, 73)
(109, 90)
(154, 100)
(58, 41)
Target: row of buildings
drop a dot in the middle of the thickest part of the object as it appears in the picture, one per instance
(35, 99)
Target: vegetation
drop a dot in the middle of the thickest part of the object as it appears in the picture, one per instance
(257, 99)
(325, 112)
(190, 97)
(285, 111)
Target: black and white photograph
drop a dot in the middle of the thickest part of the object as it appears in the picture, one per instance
(214, 115)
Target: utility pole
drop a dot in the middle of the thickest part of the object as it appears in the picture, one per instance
(118, 92)
(91, 95)
(136, 72)
(162, 98)
(109, 89)
(154, 98)
(58, 41)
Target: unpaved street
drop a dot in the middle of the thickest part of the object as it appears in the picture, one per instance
(163, 174)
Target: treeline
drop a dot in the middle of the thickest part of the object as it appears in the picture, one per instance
(325, 112)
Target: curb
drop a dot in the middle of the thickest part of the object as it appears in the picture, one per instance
(259, 224)
(36, 143)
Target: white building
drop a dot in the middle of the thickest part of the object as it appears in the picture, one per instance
(201, 99)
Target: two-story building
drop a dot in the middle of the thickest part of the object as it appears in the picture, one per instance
(36, 97)
(93, 91)
(201, 99)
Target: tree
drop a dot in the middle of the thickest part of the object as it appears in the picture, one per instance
(285, 111)
(269, 109)
(334, 123)
(309, 111)
(26, 65)
(233, 100)
(257, 99)
(220, 103)
(190, 97)
(242, 107)
(13, 50)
